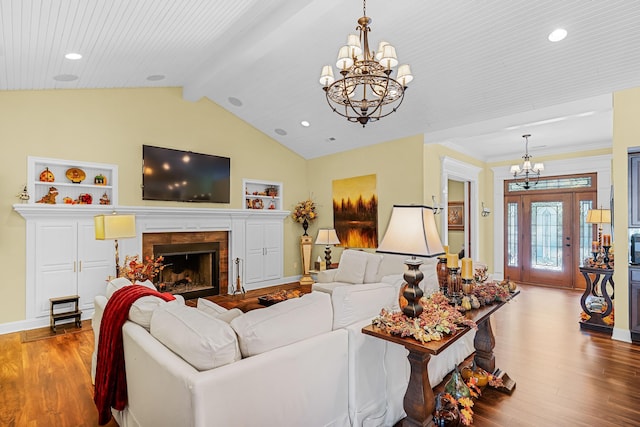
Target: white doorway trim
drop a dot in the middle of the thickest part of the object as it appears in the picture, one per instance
(456, 170)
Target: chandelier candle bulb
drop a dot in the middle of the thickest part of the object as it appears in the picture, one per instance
(452, 260)
(467, 268)
(606, 240)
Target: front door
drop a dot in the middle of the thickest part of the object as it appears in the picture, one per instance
(547, 255)
(547, 237)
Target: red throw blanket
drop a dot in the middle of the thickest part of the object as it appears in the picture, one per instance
(111, 383)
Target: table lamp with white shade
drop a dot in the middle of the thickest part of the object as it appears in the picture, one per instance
(328, 238)
(599, 216)
(114, 227)
(412, 231)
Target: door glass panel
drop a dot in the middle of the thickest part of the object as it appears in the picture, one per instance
(554, 184)
(512, 234)
(586, 230)
(546, 235)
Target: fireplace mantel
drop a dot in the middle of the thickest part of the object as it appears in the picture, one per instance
(149, 219)
(29, 211)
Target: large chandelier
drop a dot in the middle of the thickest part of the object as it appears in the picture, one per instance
(366, 92)
(525, 174)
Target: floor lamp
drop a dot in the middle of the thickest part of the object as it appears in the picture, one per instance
(114, 227)
(412, 231)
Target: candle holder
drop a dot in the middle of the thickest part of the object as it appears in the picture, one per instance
(595, 256)
(454, 286)
(442, 273)
(467, 286)
(605, 259)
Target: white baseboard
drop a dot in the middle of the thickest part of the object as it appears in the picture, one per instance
(621, 335)
(38, 322)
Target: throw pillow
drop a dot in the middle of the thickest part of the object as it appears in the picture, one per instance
(201, 340)
(352, 268)
(217, 311)
(283, 323)
(115, 284)
(209, 307)
(373, 263)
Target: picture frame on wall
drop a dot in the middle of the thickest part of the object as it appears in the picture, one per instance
(455, 216)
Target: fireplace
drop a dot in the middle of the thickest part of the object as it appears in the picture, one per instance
(196, 263)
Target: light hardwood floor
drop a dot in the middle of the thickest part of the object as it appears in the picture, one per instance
(565, 377)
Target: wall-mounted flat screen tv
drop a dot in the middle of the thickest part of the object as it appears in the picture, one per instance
(184, 176)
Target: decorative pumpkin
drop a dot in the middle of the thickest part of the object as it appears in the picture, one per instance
(100, 179)
(47, 176)
(509, 284)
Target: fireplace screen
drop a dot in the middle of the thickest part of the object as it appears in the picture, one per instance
(191, 269)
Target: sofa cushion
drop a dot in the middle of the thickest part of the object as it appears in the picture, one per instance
(217, 311)
(358, 302)
(200, 339)
(284, 323)
(352, 268)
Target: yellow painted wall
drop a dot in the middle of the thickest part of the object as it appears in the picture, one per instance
(626, 134)
(398, 169)
(110, 126)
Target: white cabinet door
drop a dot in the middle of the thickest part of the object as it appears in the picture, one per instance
(254, 248)
(56, 264)
(263, 251)
(273, 250)
(96, 262)
(69, 261)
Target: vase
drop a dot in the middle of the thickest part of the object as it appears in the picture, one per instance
(305, 225)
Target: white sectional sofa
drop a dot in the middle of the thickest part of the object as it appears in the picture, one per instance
(300, 362)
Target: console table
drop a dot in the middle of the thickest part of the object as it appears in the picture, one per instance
(597, 280)
(419, 400)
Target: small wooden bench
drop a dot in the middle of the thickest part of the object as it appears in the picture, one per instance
(74, 314)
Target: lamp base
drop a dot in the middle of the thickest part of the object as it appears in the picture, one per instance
(412, 292)
(327, 255)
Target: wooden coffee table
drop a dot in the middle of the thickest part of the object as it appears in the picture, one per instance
(419, 400)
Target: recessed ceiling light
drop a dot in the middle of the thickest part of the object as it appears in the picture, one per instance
(65, 77)
(155, 77)
(305, 123)
(235, 101)
(73, 56)
(557, 35)
(281, 132)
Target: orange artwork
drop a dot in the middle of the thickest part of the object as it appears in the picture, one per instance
(355, 211)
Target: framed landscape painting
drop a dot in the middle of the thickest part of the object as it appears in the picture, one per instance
(355, 211)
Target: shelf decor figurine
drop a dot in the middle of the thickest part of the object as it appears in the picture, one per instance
(24, 195)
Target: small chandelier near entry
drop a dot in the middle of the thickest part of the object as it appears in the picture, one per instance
(366, 92)
(526, 172)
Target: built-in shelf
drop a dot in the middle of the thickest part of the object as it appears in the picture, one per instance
(91, 184)
(265, 195)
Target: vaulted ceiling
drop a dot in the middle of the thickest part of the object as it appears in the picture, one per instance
(485, 72)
